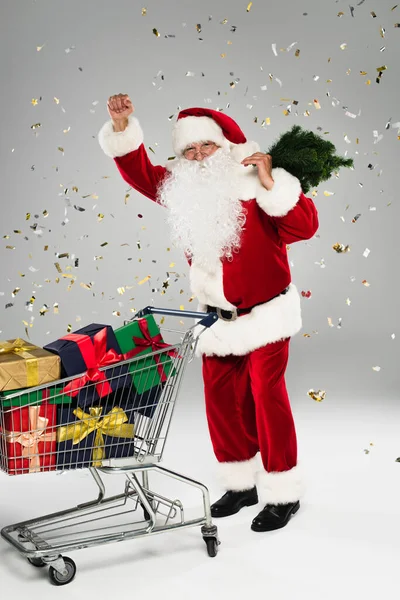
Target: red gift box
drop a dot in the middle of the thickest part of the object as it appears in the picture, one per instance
(30, 436)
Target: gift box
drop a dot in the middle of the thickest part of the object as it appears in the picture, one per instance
(144, 403)
(83, 353)
(25, 365)
(29, 438)
(54, 395)
(87, 437)
(139, 338)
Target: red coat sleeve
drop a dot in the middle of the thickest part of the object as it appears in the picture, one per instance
(294, 216)
(138, 171)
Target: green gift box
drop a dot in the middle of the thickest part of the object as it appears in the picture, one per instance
(53, 395)
(139, 338)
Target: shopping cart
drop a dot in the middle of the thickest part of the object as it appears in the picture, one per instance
(124, 433)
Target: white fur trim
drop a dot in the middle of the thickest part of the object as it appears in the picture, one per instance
(207, 285)
(239, 476)
(116, 144)
(280, 488)
(241, 151)
(270, 322)
(283, 196)
(190, 130)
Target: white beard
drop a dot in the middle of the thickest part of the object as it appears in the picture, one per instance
(205, 215)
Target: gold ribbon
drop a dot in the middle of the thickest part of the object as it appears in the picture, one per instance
(20, 348)
(114, 424)
(31, 439)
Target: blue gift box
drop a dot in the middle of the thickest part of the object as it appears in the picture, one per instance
(88, 436)
(83, 352)
(144, 403)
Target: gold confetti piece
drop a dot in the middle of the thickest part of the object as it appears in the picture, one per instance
(397, 24)
(383, 68)
(157, 35)
(376, 369)
(365, 282)
(181, 307)
(340, 14)
(56, 100)
(343, 46)
(198, 27)
(63, 255)
(104, 244)
(69, 328)
(144, 280)
(55, 308)
(36, 126)
(34, 102)
(363, 72)
(60, 149)
(38, 48)
(26, 323)
(330, 322)
(382, 32)
(341, 248)
(297, 53)
(44, 310)
(45, 248)
(171, 265)
(100, 217)
(116, 313)
(316, 104)
(86, 286)
(10, 247)
(250, 4)
(326, 193)
(57, 266)
(15, 292)
(98, 258)
(318, 396)
(126, 198)
(17, 231)
(224, 22)
(348, 301)
(394, 7)
(121, 290)
(223, 55)
(373, 15)
(144, 12)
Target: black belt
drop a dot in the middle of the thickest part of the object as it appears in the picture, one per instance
(231, 315)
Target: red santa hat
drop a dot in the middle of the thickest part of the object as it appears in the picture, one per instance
(204, 124)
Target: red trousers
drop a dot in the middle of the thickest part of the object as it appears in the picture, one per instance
(248, 411)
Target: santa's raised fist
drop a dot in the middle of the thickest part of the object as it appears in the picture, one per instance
(119, 107)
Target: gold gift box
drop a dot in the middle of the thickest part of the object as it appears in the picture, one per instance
(24, 365)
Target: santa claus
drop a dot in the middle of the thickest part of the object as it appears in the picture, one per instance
(232, 214)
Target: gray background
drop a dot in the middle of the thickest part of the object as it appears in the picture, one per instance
(93, 49)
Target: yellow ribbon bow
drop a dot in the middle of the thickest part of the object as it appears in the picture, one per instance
(114, 424)
(14, 347)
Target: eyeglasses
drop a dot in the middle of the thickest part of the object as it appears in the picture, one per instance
(204, 149)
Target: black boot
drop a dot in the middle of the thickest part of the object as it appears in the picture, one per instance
(232, 502)
(274, 516)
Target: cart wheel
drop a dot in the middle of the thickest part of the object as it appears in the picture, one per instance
(37, 562)
(57, 579)
(212, 546)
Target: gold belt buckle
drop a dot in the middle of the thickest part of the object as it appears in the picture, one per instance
(233, 312)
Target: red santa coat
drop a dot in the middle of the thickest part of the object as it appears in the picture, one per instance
(259, 271)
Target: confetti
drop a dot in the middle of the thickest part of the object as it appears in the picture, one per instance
(318, 396)
(393, 336)
(250, 4)
(144, 12)
(326, 193)
(156, 33)
(341, 248)
(377, 369)
(365, 282)
(306, 294)
(104, 244)
(343, 46)
(144, 280)
(366, 252)
(317, 104)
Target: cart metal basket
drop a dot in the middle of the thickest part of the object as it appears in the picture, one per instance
(44, 429)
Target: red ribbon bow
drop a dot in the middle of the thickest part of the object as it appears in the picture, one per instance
(155, 343)
(95, 354)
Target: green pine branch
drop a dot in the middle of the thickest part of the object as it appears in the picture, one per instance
(307, 156)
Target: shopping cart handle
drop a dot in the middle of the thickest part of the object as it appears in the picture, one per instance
(206, 319)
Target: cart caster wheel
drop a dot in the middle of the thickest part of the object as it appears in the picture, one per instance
(212, 547)
(37, 562)
(57, 578)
